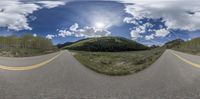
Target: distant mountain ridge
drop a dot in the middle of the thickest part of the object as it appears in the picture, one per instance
(106, 44)
(173, 43)
(64, 44)
(116, 44)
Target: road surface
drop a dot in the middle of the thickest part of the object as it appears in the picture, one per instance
(174, 75)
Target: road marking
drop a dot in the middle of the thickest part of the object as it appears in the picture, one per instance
(187, 61)
(23, 68)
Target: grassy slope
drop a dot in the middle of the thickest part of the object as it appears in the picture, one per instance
(118, 63)
(20, 52)
(192, 46)
(123, 63)
(173, 43)
(106, 44)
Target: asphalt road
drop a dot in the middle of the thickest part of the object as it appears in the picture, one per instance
(172, 76)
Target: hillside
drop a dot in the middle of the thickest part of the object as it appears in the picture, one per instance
(64, 44)
(173, 43)
(106, 44)
(192, 46)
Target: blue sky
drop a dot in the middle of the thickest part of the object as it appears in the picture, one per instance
(148, 22)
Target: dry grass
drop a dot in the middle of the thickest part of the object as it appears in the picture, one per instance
(118, 63)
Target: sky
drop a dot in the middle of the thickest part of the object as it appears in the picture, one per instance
(150, 22)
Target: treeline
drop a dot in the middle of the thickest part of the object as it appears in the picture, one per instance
(106, 44)
(26, 41)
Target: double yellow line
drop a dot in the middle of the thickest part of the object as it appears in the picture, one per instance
(23, 68)
(187, 61)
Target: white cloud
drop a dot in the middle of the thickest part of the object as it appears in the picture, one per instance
(32, 18)
(130, 20)
(74, 27)
(51, 4)
(86, 32)
(64, 33)
(149, 37)
(140, 30)
(161, 33)
(148, 25)
(14, 13)
(50, 36)
(174, 13)
(91, 32)
(135, 35)
(157, 33)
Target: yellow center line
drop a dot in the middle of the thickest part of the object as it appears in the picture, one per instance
(187, 61)
(23, 68)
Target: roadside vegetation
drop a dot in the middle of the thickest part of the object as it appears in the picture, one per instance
(173, 43)
(118, 63)
(120, 56)
(191, 46)
(26, 45)
(114, 55)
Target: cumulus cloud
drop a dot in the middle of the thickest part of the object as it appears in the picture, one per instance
(149, 37)
(74, 27)
(175, 14)
(136, 33)
(51, 4)
(86, 32)
(145, 30)
(130, 20)
(157, 33)
(140, 30)
(179, 14)
(64, 33)
(161, 33)
(92, 32)
(14, 13)
(50, 36)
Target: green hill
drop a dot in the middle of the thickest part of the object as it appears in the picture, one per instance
(64, 44)
(106, 44)
(192, 46)
(173, 43)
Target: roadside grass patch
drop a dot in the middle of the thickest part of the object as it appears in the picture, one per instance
(20, 52)
(191, 46)
(118, 63)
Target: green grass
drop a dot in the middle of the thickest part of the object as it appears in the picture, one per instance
(191, 47)
(22, 52)
(118, 63)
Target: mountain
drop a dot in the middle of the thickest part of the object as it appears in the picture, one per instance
(106, 44)
(191, 46)
(173, 43)
(64, 44)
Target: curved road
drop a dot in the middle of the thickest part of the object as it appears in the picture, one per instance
(174, 75)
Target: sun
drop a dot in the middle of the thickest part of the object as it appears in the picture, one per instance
(100, 25)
